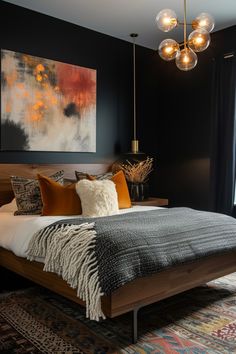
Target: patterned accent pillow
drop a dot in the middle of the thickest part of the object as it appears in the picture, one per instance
(27, 193)
(83, 175)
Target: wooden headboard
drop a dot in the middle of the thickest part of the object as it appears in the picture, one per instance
(30, 171)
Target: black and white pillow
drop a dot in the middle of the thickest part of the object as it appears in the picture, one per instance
(27, 193)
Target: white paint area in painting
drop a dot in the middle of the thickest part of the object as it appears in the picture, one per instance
(72, 134)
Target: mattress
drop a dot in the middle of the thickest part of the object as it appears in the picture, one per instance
(17, 231)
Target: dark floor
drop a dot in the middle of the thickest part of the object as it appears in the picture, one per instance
(10, 281)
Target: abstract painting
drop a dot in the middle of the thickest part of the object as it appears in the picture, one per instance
(46, 105)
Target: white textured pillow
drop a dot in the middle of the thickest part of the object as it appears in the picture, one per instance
(98, 198)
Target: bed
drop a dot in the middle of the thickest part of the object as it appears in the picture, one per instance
(131, 296)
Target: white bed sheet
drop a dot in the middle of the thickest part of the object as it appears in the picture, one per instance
(17, 231)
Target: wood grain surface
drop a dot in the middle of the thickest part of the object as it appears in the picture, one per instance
(30, 171)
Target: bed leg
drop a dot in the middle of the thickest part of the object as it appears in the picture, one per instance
(135, 326)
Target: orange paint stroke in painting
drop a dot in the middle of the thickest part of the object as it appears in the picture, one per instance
(40, 68)
(11, 78)
(36, 111)
(39, 73)
(38, 105)
(45, 85)
(38, 95)
(51, 98)
(36, 117)
(39, 77)
(20, 86)
(29, 60)
(78, 85)
(25, 94)
(8, 107)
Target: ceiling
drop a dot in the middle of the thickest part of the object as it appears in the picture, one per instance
(119, 18)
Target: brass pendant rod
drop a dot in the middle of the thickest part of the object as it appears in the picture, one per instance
(134, 36)
(134, 143)
(134, 59)
(185, 24)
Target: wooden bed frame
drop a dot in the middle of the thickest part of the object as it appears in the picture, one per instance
(130, 297)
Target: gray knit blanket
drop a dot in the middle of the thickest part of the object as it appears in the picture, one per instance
(98, 255)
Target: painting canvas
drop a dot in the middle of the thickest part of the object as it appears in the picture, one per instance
(46, 105)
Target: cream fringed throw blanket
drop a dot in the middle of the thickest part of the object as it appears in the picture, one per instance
(68, 250)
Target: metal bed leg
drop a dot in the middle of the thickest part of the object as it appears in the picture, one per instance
(135, 326)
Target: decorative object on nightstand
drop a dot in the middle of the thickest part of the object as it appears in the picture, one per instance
(152, 202)
(137, 175)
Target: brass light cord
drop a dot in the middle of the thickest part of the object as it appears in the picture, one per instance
(135, 142)
(185, 24)
(134, 82)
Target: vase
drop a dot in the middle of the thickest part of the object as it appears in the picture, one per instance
(138, 191)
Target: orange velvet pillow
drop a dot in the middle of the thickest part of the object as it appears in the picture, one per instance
(58, 199)
(121, 189)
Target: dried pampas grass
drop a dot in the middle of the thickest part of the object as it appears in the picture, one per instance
(137, 172)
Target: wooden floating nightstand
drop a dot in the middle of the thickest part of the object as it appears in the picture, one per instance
(152, 202)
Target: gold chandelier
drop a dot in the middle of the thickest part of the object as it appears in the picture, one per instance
(197, 41)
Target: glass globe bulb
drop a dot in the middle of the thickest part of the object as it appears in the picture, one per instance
(168, 49)
(204, 21)
(199, 40)
(166, 20)
(186, 59)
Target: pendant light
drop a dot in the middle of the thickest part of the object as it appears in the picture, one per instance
(135, 163)
(134, 155)
(197, 41)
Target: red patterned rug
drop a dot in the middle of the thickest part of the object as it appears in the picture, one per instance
(200, 321)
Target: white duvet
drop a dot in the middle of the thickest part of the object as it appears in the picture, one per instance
(17, 231)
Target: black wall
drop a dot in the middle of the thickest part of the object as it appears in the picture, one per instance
(176, 122)
(29, 32)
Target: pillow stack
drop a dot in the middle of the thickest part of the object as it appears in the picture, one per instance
(92, 195)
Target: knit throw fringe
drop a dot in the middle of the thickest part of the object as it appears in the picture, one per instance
(68, 250)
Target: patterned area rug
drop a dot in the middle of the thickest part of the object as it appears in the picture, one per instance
(200, 321)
